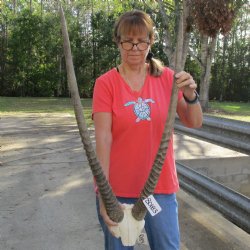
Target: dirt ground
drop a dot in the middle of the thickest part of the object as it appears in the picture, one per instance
(47, 200)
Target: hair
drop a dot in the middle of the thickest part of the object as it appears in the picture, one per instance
(134, 22)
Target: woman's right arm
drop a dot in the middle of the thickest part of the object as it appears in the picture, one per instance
(103, 136)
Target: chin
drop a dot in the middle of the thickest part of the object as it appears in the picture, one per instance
(134, 62)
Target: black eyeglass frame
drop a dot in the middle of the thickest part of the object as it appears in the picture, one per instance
(135, 44)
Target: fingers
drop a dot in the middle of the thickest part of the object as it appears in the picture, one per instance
(107, 220)
(122, 206)
(184, 79)
(105, 216)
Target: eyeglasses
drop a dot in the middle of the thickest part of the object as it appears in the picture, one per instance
(140, 46)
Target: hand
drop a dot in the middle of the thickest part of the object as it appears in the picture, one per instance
(104, 214)
(186, 84)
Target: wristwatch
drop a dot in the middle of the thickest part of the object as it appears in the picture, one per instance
(194, 101)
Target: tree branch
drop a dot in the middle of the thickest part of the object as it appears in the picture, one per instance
(167, 38)
(191, 53)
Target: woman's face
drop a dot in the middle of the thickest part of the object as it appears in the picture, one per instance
(136, 56)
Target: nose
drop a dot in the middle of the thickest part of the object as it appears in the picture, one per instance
(134, 47)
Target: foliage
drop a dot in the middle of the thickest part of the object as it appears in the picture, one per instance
(213, 16)
(230, 71)
(32, 61)
(193, 68)
(31, 57)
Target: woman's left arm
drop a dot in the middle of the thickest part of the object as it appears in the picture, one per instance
(188, 108)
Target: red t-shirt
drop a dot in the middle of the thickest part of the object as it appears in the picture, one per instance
(138, 119)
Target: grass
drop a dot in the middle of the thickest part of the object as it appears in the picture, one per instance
(39, 105)
(231, 110)
(18, 105)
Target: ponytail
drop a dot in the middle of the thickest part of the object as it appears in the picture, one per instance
(155, 65)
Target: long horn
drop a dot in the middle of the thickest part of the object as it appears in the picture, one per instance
(112, 206)
(139, 210)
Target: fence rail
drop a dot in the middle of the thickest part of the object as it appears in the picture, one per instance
(234, 206)
(229, 133)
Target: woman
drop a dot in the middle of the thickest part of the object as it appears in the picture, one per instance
(130, 107)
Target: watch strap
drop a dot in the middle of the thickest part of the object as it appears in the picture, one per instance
(194, 101)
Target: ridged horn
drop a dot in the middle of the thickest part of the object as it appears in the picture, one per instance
(111, 203)
(139, 210)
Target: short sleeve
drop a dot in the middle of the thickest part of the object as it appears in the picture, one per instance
(102, 97)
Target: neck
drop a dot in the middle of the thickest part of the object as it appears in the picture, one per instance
(133, 76)
(134, 69)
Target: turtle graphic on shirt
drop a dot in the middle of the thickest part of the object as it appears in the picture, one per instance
(141, 108)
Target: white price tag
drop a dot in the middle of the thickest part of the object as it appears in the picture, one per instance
(152, 205)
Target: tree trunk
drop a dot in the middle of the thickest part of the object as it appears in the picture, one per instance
(41, 5)
(186, 35)
(207, 54)
(58, 88)
(2, 57)
(14, 6)
(169, 49)
(31, 6)
(5, 44)
(223, 67)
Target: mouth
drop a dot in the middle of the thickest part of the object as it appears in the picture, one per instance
(134, 55)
